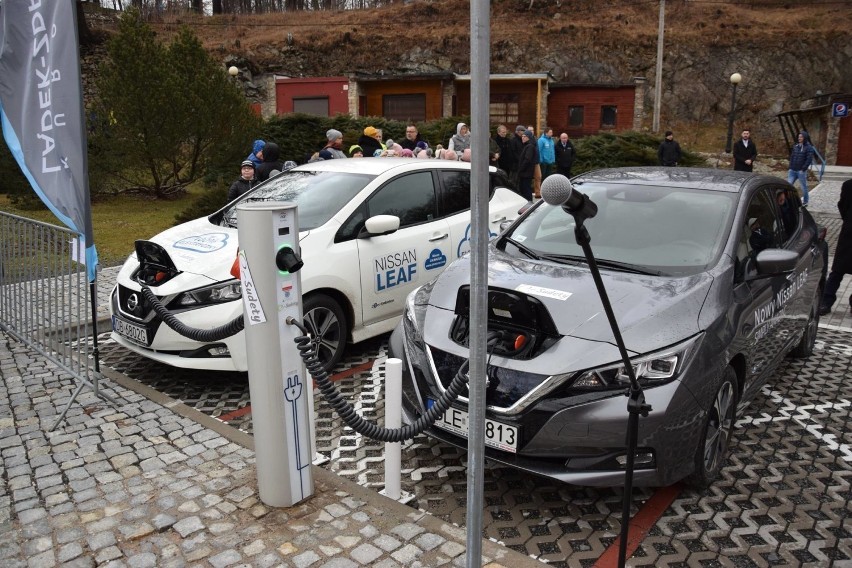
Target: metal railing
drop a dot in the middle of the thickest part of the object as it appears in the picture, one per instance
(44, 301)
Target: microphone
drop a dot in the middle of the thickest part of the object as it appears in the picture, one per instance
(556, 189)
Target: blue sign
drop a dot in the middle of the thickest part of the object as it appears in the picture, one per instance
(839, 110)
(436, 259)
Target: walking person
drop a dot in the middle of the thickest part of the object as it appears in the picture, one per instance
(745, 152)
(801, 157)
(842, 263)
(669, 152)
(245, 182)
(564, 155)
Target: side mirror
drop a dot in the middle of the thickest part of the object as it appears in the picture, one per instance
(378, 225)
(774, 262)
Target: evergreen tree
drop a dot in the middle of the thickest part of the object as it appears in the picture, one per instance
(165, 114)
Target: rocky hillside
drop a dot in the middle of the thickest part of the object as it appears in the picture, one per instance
(785, 52)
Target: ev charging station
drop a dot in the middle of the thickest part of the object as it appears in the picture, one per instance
(281, 392)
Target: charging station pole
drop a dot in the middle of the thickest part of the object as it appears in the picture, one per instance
(281, 393)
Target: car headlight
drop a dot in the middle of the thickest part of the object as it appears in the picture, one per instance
(651, 370)
(415, 311)
(217, 294)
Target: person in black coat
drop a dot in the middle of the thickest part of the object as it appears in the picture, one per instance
(527, 162)
(245, 183)
(271, 161)
(669, 152)
(842, 264)
(564, 155)
(369, 142)
(745, 152)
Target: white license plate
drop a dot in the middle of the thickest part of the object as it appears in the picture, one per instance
(497, 435)
(135, 333)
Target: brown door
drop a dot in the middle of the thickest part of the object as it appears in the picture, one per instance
(844, 142)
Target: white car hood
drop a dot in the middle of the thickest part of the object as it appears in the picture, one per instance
(199, 247)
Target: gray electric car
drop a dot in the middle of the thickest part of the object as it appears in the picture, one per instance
(714, 276)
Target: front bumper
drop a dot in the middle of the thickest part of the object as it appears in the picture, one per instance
(169, 347)
(579, 443)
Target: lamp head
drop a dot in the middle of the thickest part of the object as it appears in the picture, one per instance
(736, 78)
(233, 71)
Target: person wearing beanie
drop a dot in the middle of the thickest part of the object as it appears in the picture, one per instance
(669, 152)
(526, 165)
(245, 182)
(368, 142)
(406, 153)
(355, 151)
(334, 147)
(256, 155)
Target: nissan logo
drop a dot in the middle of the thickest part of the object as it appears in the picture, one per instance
(132, 302)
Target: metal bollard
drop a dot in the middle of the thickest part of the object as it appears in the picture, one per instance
(393, 419)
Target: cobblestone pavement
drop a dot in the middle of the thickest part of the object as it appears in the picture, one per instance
(144, 486)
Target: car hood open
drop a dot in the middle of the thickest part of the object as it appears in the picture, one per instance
(199, 247)
(651, 311)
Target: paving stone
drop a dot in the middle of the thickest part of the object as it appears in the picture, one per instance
(407, 554)
(188, 526)
(225, 558)
(387, 543)
(365, 553)
(69, 551)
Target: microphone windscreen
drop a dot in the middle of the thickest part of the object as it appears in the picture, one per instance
(556, 189)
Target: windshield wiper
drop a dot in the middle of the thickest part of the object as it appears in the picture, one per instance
(614, 264)
(524, 249)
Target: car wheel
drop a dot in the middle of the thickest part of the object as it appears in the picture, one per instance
(805, 347)
(326, 322)
(712, 452)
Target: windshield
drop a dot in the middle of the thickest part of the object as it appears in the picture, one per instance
(653, 229)
(319, 195)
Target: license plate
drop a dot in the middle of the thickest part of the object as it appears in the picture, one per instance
(497, 435)
(135, 333)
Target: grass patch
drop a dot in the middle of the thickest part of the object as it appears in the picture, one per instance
(119, 221)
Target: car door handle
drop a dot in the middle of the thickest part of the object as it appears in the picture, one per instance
(439, 237)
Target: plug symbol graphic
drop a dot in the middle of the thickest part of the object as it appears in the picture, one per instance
(294, 389)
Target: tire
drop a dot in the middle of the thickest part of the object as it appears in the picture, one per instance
(325, 320)
(712, 451)
(805, 347)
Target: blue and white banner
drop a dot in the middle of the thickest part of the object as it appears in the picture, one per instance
(41, 109)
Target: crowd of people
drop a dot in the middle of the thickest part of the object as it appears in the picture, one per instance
(527, 160)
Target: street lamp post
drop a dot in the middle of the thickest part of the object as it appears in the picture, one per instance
(735, 80)
(233, 71)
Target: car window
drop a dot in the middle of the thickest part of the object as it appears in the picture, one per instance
(759, 230)
(455, 195)
(669, 230)
(319, 195)
(787, 210)
(410, 197)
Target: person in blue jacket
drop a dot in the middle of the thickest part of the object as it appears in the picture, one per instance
(256, 155)
(546, 152)
(801, 157)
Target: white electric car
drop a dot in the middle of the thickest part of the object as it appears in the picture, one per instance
(371, 231)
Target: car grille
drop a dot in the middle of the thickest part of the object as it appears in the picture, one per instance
(505, 386)
(132, 303)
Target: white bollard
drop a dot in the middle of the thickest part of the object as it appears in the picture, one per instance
(393, 419)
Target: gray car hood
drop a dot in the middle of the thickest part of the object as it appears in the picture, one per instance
(652, 311)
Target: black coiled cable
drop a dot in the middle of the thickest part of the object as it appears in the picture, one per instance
(233, 327)
(352, 418)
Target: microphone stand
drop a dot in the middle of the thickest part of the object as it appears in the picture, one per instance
(636, 404)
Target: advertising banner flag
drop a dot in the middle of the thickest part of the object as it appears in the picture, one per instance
(41, 109)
